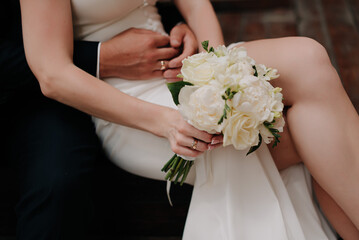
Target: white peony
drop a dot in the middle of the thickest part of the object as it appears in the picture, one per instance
(255, 98)
(202, 107)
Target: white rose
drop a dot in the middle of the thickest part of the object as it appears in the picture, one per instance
(197, 70)
(241, 130)
(202, 107)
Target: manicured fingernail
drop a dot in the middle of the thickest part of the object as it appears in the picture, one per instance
(214, 141)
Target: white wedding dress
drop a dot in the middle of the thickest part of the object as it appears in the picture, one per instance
(235, 197)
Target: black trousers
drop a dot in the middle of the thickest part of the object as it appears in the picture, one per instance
(53, 148)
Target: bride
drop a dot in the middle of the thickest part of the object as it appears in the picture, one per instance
(234, 197)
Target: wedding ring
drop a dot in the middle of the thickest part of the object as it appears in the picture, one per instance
(163, 65)
(194, 144)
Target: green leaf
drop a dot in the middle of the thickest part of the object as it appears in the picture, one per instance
(205, 45)
(255, 71)
(226, 107)
(231, 95)
(228, 91)
(221, 120)
(276, 141)
(211, 50)
(252, 149)
(225, 110)
(175, 88)
(273, 131)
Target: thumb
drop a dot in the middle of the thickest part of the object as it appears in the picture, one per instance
(176, 36)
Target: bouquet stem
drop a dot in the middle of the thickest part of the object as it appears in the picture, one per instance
(177, 167)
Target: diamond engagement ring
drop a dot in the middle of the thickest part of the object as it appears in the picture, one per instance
(194, 144)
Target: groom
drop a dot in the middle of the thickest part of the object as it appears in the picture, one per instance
(53, 146)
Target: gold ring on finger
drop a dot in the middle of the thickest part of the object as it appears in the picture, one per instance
(163, 65)
(194, 144)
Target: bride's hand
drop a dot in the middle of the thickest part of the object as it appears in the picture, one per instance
(181, 37)
(185, 139)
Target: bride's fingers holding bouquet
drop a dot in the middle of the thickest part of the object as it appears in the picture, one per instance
(217, 141)
(185, 139)
(195, 144)
(189, 141)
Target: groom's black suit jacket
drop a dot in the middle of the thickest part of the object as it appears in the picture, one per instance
(16, 79)
(39, 138)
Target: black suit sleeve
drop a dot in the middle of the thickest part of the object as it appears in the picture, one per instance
(85, 56)
(16, 78)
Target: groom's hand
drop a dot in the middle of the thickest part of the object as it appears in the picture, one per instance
(135, 54)
(182, 38)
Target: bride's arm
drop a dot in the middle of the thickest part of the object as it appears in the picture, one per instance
(202, 19)
(48, 41)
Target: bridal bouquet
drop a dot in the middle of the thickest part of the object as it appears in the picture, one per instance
(225, 91)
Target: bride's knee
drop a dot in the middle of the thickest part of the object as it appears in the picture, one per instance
(310, 51)
(312, 56)
(313, 65)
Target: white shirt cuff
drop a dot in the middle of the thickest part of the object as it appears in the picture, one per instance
(98, 60)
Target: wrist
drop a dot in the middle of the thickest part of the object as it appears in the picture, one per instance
(166, 118)
(103, 70)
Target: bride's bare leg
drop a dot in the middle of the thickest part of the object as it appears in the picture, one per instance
(285, 155)
(335, 214)
(322, 121)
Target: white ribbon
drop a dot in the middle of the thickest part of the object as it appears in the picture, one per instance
(203, 168)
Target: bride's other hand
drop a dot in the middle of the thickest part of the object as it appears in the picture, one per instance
(135, 54)
(182, 38)
(185, 139)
